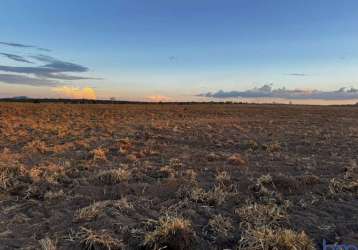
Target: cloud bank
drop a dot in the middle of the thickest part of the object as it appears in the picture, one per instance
(267, 91)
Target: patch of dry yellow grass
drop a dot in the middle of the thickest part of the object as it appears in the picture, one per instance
(269, 239)
(171, 233)
(90, 212)
(258, 215)
(221, 226)
(114, 176)
(9, 175)
(96, 240)
(47, 244)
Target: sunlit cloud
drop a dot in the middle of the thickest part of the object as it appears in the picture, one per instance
(158, 98)
(76, 93)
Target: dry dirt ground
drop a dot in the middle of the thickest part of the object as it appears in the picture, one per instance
(205, 176)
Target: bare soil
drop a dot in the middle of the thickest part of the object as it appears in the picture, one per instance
(103, 176)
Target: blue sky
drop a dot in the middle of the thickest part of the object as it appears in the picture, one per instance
(177, 49)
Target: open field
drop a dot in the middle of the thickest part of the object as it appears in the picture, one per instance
(177, 176)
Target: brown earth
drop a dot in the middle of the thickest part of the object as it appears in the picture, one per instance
(177, 176)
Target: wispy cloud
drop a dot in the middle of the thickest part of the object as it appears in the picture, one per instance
(51, 69)
(297, 74)
(59, 65)
(61, 76)
(25, 80)
(172, 58)
(267, 91)
(20, 45)
(16, 58)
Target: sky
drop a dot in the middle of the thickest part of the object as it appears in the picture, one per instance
(180, 50)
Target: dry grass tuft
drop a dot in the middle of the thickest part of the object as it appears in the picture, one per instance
(171, 233)
(125, 145)
(123, 203)
(236, 159)
(47, 244)
(269, 239)
(52, 173)
(272, 147)
(90, 212)
(308, 179)
(221, 227)
(340, 186)
(52, 195)
(191, 175)
(217, 196)
(263, 194)
(223, 178)
(213, 157)
(175, 163)
(258, 215)
(9, 176)
(114, 176)
(168, 171)
(265, 179)
(284, 182)
(37, 146)
(99, 154)
(252, 145)
(99, 240)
